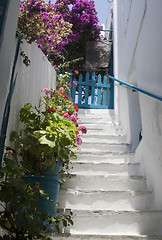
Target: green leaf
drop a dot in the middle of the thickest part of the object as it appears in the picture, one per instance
(44, 140)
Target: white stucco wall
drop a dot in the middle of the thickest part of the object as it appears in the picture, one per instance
(137, 60)
(7, 50)
(30, 81)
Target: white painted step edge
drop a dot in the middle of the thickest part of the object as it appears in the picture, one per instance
(103, 237)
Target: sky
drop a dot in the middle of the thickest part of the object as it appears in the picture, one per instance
(102, 7)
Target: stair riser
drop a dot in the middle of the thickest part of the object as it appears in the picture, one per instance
(105, 200)
(105, 169)
(107, 139)
(104, 148)
(100, 126)
(103, 112)
(115, 223)
(105, 132)
(104, 183)
(98, 120)
(109, 158)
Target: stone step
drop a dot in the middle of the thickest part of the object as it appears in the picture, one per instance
(105, 200)
(98, 119)
(100, 112)
(104, 139)
(104, 237)
(106, 158)
(116, 222)
(104, 148)
(100, 126)
(104, 169)
(107, 132)
(109, 183)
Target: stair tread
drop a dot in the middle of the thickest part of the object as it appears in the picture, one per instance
(109, 176)
(108, 237)
(131, 192)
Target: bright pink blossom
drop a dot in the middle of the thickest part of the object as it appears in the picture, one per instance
(61, 89)
(65, 114)
(83, 129)
(73, 118)
(46, 91)
(78, 140)
(59, 108)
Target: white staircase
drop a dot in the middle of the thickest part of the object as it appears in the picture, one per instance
(108, 197)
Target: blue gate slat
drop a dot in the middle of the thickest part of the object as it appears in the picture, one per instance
(86, 89)
(73, 91)
(93, 89)
(104, 91)
(99, 91)
(80, 89)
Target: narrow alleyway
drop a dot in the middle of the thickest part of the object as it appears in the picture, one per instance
(108, 197)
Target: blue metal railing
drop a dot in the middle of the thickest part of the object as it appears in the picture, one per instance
(8, 102)
(136, 89)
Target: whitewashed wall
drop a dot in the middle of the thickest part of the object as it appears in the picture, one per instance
(137, 60)
(7, 50)
(30, 81)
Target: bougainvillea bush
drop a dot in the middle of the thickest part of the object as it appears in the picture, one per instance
(38, 22)
(83, 17)
(61, 29)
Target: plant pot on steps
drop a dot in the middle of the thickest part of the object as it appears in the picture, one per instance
(50, 183)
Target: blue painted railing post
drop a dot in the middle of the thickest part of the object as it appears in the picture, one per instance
(111, 92)
(8, 103)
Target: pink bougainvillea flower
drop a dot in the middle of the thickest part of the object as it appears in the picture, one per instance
(26, 64)
(78, 140)
(83, 129)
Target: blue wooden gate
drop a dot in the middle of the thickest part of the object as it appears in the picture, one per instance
(92, 90)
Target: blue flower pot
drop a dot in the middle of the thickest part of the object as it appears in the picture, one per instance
(50, 183)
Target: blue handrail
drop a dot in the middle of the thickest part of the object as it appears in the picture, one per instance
(136, 89)
(8, 102)
(106, 30)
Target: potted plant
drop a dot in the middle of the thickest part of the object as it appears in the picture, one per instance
(48, 140)
(20, 215)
